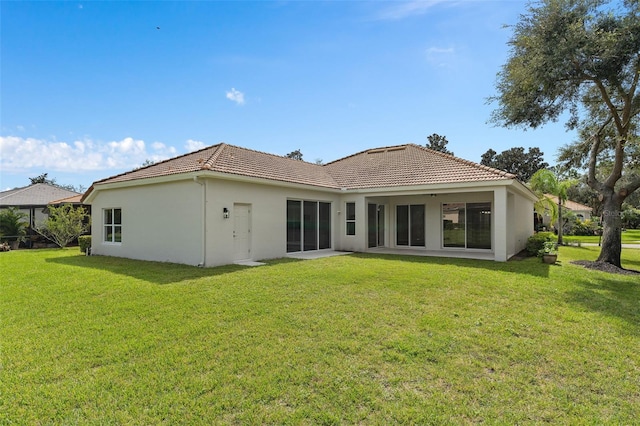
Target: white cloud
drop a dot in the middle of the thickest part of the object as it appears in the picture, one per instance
(22, 154)
(192, 145)
(236, 96)
(401, 10)
(440, 56)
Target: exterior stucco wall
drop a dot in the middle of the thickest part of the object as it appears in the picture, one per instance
(159, 222)
(183, 221)
(520, 223)
(268, 205)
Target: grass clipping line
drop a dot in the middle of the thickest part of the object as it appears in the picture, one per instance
(604, 267)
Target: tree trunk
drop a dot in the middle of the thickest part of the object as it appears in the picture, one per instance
(611, 230)
(559, 222)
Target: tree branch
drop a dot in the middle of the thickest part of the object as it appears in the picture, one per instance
(592, 181)
(610, 105)
(631, 187)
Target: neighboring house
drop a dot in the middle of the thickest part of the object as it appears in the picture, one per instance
(581, 211)
(225, 204)
(34, 199)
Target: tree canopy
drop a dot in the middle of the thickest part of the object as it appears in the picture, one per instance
(581, 58)
(516, 161)
(438, 143)
(44, 178)
(295, 155)
(64, 224)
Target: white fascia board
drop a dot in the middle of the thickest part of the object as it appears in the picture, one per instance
(205, 174)
(440, 188)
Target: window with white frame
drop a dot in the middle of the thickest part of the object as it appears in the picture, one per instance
(112, 225)
(351, 218)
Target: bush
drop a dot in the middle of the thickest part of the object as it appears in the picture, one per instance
(535, 243)
(85, 242)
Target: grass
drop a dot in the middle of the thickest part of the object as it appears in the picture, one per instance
(343, 340)
(630, 236)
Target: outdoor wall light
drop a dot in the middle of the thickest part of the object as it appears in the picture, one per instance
(225, 213)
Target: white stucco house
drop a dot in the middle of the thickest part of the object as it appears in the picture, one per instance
(225, 204)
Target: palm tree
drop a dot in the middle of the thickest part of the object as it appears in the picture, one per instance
(13, 225)
(544, 181)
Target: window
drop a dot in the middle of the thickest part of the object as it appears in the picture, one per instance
(112, 225)
(410, 225)
(308, 225)
(466, 225)
(351, 218)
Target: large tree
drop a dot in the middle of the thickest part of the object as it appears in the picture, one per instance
(516, 161)
(580, 58)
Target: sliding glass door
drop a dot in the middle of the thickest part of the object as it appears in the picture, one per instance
(410, 225)
(308, 225)
(466, 225)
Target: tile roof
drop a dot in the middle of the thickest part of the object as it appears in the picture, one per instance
(405, 165)
(224, 158)
(571, 205)
(400, 165)
(39, 194)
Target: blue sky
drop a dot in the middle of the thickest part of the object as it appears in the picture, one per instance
(92, 89)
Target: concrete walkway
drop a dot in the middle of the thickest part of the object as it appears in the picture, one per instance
(628, 246)
(307, 255)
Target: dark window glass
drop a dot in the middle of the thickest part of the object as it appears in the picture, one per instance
(402, 225)
(294, 221)
(310, 224)
(350, 218)
(453, 225)
(324, 225)
(479, 225)
(417, 225)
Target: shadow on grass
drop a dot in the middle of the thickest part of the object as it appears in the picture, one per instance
(610, 296)
(153, 272)
(529, 266)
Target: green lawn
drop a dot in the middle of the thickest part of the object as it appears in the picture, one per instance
(630, 236)
(360, 339)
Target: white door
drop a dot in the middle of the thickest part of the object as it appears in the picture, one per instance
(242, 231)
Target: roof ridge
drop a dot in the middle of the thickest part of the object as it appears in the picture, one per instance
(208, 165)
(468, 162)
(272, 155)
(156, 164)
(16, 190)
(368, 150)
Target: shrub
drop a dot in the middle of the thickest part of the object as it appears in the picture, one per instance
(584, 227)
(13, 224)
(535, 243)
(84, 241)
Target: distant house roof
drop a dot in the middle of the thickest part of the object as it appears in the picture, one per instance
(400, 165)
(75, 199)
(39, 194)
(571, 205)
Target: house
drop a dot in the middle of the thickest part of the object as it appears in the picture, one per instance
(581, 211)
(33, 200)
(225, 204)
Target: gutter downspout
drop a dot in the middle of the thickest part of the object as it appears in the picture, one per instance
(203, 184)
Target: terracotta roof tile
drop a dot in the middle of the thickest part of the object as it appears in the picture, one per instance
(405, 165)
(401, 165)
(234, 160)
